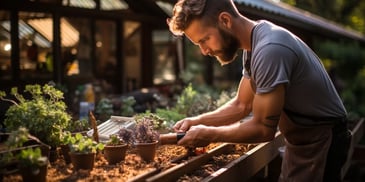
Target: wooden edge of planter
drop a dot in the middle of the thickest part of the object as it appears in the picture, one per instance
(357, 134)
(144, 176)
(173, 173)
(246, 166)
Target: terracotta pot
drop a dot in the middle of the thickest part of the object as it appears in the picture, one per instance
(115, 154)
(31, 174)
(146, 151)
(82, 161)
(65, 149)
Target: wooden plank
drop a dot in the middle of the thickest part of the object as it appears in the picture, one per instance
(243, 168)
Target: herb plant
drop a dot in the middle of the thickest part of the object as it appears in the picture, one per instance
(83, 144)
(43, 114)
(66, 138)
(114, 140)
(32, 157)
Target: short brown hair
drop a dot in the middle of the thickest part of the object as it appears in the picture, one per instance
(185, 11)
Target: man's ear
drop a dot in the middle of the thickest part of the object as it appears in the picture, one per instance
(225, 19)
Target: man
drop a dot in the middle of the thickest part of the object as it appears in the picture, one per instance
(284, 84)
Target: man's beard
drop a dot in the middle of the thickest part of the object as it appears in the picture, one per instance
(230, 46)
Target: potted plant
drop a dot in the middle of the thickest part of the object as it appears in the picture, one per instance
(23, 152)
(64, 146)
(41, 110)
(82, 151)
(115, 149)
(32, 165)
(145, 138)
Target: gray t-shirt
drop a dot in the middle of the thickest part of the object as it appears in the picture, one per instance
(278, 56)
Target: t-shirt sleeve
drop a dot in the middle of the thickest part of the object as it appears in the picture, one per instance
(272, 65)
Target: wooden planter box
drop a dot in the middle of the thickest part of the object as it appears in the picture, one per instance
(256, 163)
(241, 169)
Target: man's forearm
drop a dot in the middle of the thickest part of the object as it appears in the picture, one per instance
(228, 113)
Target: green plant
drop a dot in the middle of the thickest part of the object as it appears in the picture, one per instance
(114, 140)
(17, 138)
(83, 144)
(24, 156)
(104, 109)
(78, 125)
(169, 116)
(66, 138)
(32, 157)
(43, 113)
(192, 102)
(126, 108)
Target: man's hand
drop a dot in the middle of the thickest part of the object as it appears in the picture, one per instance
(197, 136)
(184, 124)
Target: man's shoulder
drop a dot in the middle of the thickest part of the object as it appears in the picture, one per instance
(268, 33)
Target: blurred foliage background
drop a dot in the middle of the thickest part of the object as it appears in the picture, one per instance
(344, 60)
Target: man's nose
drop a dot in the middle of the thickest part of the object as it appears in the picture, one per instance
(204, 50)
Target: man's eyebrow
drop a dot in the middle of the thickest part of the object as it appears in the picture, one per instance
(202, 40)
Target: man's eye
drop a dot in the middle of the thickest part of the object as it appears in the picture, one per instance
(204, 40)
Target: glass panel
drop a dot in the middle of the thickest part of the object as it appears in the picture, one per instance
(76, 47)
(5, 46)
(164, 50)
(132, 40)
(106, 62)
(35, 45)
(113, 5)
(81, 4)
(166, 7)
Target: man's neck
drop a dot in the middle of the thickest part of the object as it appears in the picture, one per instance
(243, 30)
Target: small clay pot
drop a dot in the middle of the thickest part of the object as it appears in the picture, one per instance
(146, 151)
(82, 161)
(115, 153)
(30, 174)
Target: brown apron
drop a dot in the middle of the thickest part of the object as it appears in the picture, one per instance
(306, 151)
